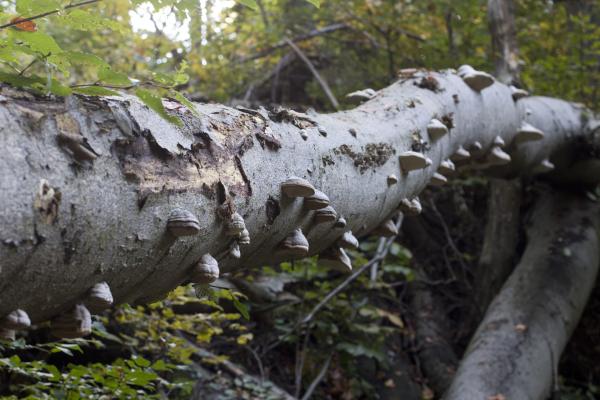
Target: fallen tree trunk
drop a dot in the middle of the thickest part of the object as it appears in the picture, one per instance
(88, 183)
(517, 347)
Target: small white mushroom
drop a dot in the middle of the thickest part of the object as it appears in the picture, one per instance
(348, 240)
(410, 207)
(337, 259)
(438, 179)
(446, 168)
(234, 250)
(461, 154)
(297, 187)
(518, 93)
(182, 223)
(236, 225)
(317, 201)
(386, 229)
(75, 323)
(498, 141)
(543, 167)
(528, 133)
(295, 244)
(326, 214)
(16, 320)
(340, 223)
(303, 134)
(436, 129)
(412, 160)
(392, 179)
(498, 156)
(99, 298)
(477, 80)
(359, 95)
(244, 237)
(206, 270)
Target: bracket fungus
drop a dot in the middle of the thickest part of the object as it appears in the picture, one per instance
(412, 160)
(7, 334)
(75, 323)
(392, 179)
(543, 167)
(337, 259)
(410, 207)
(477, 80)
(518, 93)
(528, 133)
(99, 298)
(438, 179)
(340, 223)
(244, 237)
(327, 214)
(436, 129)
(386, 229)
(182, 223)
(317, 201)
(295, 244)
(236, 225)
(498, 141)
(366, 94)
(206, 270)
(16, 320)
(297, 187)
(461, 154)
(234, 250)
(303, 134)
(348, 241)
(446, 168)
(498, 156)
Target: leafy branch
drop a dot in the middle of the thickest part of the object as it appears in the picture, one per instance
(42, 15)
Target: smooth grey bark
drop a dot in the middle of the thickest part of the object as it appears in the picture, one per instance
(501, 236)
(94, 207)
(517, 347)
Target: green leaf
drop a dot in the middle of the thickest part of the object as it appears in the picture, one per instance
(37, 83)
(37, 41)
(80, 58)
(155, 103)
(183, 100)
(32, 7)
(87, 21)
(316, 3)
(96, 91)
(249, 3)
(241, 307)
(111, 77)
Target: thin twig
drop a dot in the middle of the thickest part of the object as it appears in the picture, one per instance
(317, 379)
(21, 20)
(261, 369)
(301, 38)
(314, 71)
(375, 260)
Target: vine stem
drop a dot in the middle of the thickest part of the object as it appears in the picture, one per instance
(19, 21)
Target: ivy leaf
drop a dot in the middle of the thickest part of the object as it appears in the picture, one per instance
(249, 3)
(155, 103)
(316, 3)
(96, 91)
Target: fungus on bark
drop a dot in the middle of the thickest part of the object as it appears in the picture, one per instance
(528, 133)
(477, 80)
(297, 187)
(412, 160)
(75, 323)
(206, 270)
(99, 298)
(317, 201)
(182, 223)
(295, 244)
(436, 129)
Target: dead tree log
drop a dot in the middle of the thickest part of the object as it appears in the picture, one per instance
(88, 184)
(516, 349)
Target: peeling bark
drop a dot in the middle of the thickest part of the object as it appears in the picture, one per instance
(112, 210)
(517, 347)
